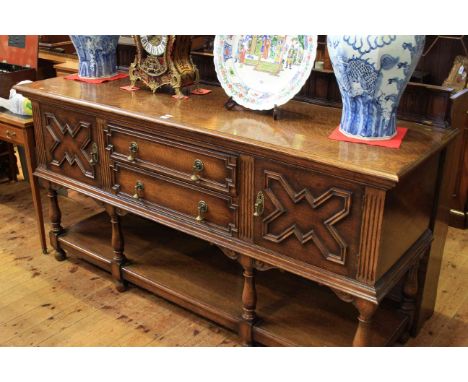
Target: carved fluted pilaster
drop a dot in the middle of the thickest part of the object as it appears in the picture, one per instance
(246, 202)
(372, 217)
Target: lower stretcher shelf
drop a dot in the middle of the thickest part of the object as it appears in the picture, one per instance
(198, 276)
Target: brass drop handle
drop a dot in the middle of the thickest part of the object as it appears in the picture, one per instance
(259, 204)
(138, 190)
(93, 160)
(133, 148)
(197, 168)
(10, 134)
(202, 210)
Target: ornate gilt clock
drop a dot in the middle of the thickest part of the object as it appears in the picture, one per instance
(163, 60)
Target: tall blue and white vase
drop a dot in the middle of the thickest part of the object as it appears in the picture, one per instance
(97, 55)
(372, 72)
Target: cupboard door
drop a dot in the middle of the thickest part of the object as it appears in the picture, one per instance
(307, 216)
(70, 144)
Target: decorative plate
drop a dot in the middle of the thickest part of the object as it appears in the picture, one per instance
(263, 71)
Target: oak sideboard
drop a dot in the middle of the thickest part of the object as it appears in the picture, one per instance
(267, 227)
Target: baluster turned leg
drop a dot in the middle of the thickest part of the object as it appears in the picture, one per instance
(118, 246)
(55, 217)
(408, 304)
(366, 312)
(249, 300)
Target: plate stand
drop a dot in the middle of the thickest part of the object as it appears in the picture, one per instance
(233, 105)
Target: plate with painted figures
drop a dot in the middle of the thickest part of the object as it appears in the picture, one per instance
(263, 71)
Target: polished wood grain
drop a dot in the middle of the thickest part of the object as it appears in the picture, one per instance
(370, 234)
(400, 228)
(153, 153)
(66, 68)
(67, 139)
(423, 100)
(302, 211)
(430, 265)
(158, 192)
(302, 134)
(329, 218)
(74, 304)
(366, 315)
(249, 300)
(55, 217)
(68, 162)
(119, 258)
(195, 275)
(11, 134)
(9, 118)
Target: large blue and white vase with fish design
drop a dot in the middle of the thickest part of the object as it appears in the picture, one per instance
(97, 55)
(372, 72)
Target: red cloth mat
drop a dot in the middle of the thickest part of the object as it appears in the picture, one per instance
(393, 143)
(200, 91)
(75, 77)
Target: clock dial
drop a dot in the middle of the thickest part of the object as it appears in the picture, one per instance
(154, 45)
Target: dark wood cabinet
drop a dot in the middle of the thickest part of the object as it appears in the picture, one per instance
(459, 199)
(266, 227)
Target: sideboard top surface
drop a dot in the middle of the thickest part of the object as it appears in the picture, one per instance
(301, 132)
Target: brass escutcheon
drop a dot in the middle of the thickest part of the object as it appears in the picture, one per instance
(133, 147)
(138, 190)
(10, 134)
(202, 209)
(198, 167)
(259, 204)
(93, 160)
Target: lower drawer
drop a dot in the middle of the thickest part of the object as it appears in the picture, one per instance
(158, 193)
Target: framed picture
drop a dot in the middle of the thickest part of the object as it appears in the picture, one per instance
(457, 79)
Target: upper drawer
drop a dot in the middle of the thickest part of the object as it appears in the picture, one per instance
(208, 168)
(11, 134)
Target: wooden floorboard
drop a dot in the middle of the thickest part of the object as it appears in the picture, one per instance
(72, 303)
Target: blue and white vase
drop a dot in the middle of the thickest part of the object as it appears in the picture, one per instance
(97, 55)
(372, 72)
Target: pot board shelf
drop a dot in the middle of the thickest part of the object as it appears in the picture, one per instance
(199, 277)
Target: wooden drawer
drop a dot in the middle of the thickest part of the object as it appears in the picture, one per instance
(217, 170)
(11, 134)
(308, 216)
(70, 141)
(170, 197)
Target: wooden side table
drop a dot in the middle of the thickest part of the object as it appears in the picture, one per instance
(20, 131)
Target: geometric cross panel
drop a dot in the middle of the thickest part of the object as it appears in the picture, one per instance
(313, 203)
(70, 144)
